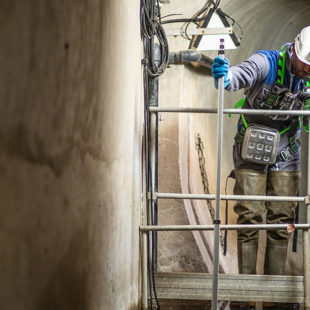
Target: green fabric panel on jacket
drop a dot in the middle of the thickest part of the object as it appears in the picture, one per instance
(281, 70)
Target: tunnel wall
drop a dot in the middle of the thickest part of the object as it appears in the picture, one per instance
(266, 25)
(70, 145)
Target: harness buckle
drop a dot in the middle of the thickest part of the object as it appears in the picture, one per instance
(285, 154)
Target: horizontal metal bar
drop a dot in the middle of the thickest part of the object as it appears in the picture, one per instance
(230, 111)
(197, 31)
(229, 197)
(222, 227)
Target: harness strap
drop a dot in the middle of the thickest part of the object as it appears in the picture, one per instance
(292, 148)
(281, 66)
(307, 101)
(288, 152)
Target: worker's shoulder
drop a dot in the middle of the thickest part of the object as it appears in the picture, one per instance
(269, 59)
(272, 56)
(264, 58)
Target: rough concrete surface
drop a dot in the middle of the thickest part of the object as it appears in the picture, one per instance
(70, 147)
(70, 144)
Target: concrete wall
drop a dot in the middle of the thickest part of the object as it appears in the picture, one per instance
(70, 142)
(266, 25)
(70, 146)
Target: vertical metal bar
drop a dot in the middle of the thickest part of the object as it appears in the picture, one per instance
(144, 271)
(218, 188)
(156, 200)
(306, 268)
(153, 172)
(153, 102)
(306, 239)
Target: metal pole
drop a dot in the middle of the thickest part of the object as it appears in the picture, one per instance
(229, 111)
(230, 197)
(153, 172)
(223, 227)
(144, 271)
(153, 102)
(216, 245)
(306, 268)
(306, 239)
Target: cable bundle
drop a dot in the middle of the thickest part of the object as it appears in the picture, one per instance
(151, 28)
(210, 7)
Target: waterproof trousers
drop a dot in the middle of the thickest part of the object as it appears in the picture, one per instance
(273, 183)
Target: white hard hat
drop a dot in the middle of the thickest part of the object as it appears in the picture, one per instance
(302, 45)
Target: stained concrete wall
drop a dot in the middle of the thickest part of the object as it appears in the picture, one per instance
(266, 25)
(70, 144)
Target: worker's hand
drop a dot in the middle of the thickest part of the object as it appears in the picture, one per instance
(220, 68)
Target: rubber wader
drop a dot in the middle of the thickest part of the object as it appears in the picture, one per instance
(279, 183)
(249, 182)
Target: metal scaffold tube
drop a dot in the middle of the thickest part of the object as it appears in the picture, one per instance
(216, 245)
(224, 227)
(144, 271)
(153, 164)
(306, 239)
(229, 111)
(230, 197)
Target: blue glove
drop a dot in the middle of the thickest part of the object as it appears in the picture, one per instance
(220, 68)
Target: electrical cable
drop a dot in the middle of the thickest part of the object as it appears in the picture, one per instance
(151, 31)
(220, 12)
(197, 17)
(232, 176)
(154, 71)
(208, 16)
(151, 216)
(168, 16)
(146, 162)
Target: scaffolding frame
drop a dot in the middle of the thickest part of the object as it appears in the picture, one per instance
(153, 195)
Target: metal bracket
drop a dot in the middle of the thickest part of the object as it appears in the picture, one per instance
(149, 196)
(198, 31)
(307, 200)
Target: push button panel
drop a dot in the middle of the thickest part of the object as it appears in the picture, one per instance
(260, 144)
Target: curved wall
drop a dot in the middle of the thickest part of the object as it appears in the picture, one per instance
(266, 25)
(70, 163)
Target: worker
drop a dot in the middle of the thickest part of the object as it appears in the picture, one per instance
(266, 152)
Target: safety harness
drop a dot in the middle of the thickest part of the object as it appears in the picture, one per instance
(272, 100)
(282, 99)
